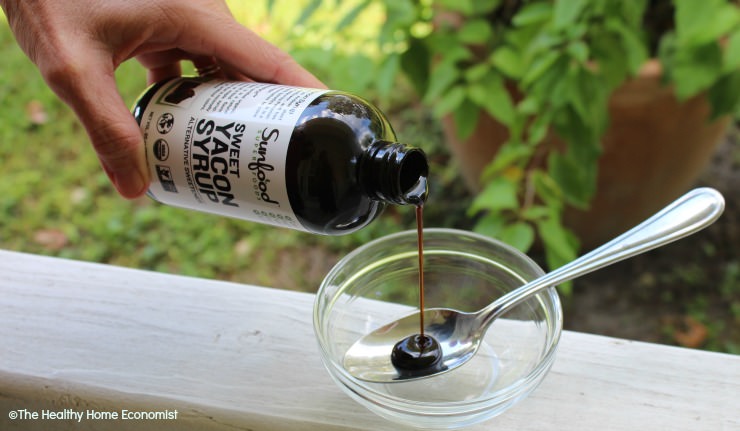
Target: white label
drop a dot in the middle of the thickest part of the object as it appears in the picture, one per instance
(220, 147)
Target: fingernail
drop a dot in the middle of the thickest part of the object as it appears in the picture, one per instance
(136, 185)
(130, 185)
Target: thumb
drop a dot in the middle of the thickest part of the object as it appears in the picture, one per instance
(112, 129)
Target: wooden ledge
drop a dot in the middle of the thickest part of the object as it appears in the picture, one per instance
(82, 337)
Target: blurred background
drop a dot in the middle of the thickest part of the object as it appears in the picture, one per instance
(436, 68)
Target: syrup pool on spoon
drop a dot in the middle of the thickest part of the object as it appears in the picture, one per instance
(458, 334)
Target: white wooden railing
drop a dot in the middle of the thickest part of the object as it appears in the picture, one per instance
(121, 347)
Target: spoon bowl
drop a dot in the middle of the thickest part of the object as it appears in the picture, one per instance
(459, 334)
(369, 359)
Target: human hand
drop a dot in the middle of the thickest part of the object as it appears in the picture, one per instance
(77, 46)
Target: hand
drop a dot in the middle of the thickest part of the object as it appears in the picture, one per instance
(78, 44)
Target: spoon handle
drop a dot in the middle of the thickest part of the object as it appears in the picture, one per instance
(688, 214)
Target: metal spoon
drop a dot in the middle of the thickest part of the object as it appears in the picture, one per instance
(459, 334)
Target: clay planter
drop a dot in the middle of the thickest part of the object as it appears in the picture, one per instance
(653, 151)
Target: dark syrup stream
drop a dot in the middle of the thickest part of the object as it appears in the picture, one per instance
(418, 352)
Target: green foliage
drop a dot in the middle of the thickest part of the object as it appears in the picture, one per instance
(542, 66)
(704, 53)
(336, 40)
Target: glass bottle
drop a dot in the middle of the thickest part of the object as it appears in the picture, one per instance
(321, 161)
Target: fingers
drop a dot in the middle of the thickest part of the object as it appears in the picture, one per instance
(166, 64)
(162, 65)
(78, 45)
(161, 73)
(208, 66)
(117, 139)
(205, 33)
(260, 60)
(89, 87)
(241, 52)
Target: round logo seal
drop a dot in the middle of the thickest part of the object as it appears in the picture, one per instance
(161, 150)
(165, 123)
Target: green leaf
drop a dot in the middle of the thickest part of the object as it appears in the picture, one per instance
(695, 69)
(583, 139)
(442, 78)
(575, 180)
(386, 77)
(561, 246)
(510, 154)
(732, 52)
(466, 118)
(490, 225)
(482, 7)
(533, 13)
(614, 63)
(477, 72)
(491, 94)
(355, 72)
(538, 128)
(567, 11)
(476, 31)
(631, 12)
(415, 63)
(701, 22)
(352, 15)
(545, 42)
(632, 47)
(548, 190)
(528, 106)
(566, 289)
(519, 235)
(586, 95)
(450, 101)
(578, 50)
(536, 212)
(499, 194)
(724, 95)
(446, 48)
(693, 17)
(308, 11)
(270, 6)
(508, 61)
(464, 6)
(552, 87)
(539, 67)
(400, 17)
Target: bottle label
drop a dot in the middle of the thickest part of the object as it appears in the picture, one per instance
(220, 147)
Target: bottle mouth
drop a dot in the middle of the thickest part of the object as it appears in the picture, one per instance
(395, 173)
(413, 177)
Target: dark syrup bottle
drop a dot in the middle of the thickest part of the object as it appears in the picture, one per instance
(321, 161)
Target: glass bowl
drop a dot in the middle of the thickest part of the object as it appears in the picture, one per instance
(378, 283)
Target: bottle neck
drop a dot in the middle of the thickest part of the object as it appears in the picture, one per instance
(394, 173)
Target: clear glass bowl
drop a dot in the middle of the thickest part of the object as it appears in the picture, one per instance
(378, 283)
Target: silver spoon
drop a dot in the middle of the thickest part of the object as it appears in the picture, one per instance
(459, 334)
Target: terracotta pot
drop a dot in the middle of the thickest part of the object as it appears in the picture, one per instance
(653, 151)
